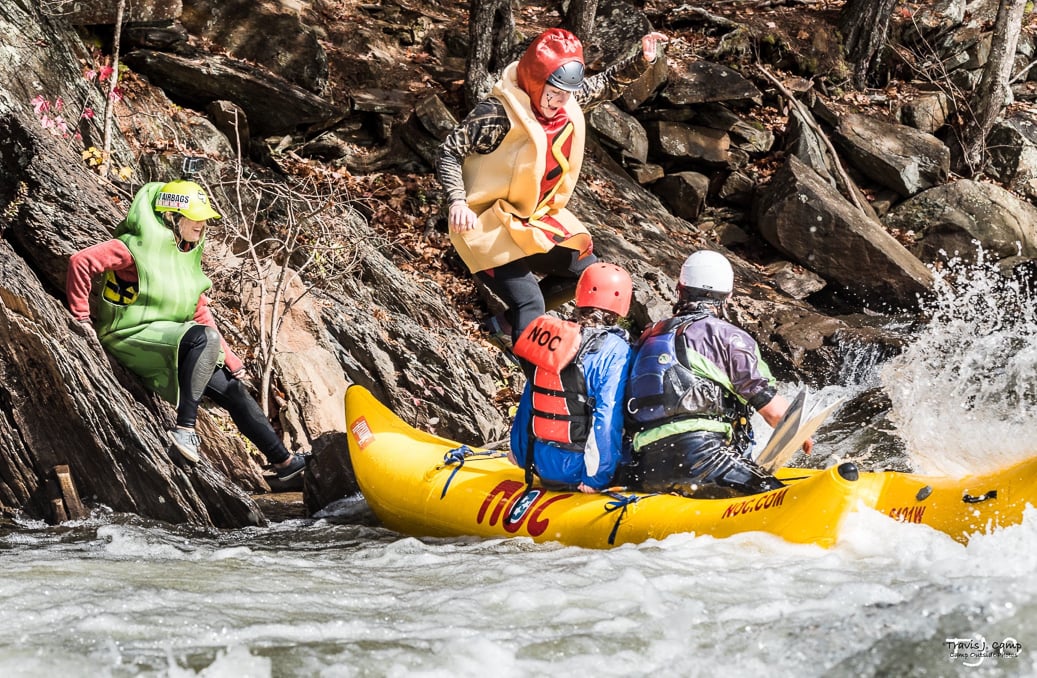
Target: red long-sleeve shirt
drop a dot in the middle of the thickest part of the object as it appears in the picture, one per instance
(113, 255)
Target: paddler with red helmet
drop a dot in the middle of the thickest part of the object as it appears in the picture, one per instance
(568, 428)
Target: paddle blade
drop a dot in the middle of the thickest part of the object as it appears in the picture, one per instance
(784, 431)
(781, 456)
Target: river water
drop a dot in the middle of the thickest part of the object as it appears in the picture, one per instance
(339, 596)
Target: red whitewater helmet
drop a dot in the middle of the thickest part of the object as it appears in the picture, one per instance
(556, 57)
(605, 286)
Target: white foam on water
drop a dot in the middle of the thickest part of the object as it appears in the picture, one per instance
(964, 392)
(235, 661)
(318, 601)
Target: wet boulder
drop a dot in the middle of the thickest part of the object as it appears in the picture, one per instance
(795, 281)
(807, 219)
(956, 219)
(893, 155)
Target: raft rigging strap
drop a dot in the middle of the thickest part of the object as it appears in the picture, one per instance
(620, 503)
(458, 456)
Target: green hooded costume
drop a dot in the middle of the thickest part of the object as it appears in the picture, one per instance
(145, 334)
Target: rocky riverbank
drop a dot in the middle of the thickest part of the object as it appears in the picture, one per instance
(834, 204)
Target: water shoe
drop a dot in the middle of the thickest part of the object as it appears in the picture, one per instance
(295, 466)
(186, 441)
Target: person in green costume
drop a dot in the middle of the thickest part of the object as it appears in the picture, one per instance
(154, 318)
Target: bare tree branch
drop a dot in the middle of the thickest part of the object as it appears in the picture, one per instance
(845, 184)
(292, 241)
(1022, 73)
(109, 104)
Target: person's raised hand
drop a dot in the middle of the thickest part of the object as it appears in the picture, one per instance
(462, 218)
(241, 374)
(651, 45)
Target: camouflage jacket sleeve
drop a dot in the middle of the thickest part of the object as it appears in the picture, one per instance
(611, 82)
(485, 126)
(481, 131)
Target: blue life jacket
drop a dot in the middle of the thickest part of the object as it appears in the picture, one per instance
(662, 387)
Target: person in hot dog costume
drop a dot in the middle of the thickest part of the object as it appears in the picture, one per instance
(510, 167)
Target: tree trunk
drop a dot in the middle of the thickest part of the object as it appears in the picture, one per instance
(580, 18)
(491, 31)
(865, 23)
(993, 93)
(109, 103)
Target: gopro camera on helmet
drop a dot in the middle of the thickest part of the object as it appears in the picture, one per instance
(192, 166)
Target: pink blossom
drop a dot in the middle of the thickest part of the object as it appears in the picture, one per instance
(40, 105)
(88, 113)
(105, 73)
(59, 104)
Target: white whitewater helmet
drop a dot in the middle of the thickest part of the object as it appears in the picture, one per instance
(706, 274)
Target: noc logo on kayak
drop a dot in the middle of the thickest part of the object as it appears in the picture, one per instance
(509, 504)
(519, 508)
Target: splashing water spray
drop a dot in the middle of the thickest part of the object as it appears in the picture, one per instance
(964, 391)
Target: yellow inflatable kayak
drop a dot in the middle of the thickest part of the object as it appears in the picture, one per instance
(423, 485)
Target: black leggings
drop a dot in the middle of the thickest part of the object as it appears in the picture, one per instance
(527, 298)
(227, 392)
(700, 464)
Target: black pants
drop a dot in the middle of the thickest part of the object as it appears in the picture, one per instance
(230, 394)
(527, 297)
(700, 464)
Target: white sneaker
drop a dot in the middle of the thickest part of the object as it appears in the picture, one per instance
(186, 441)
